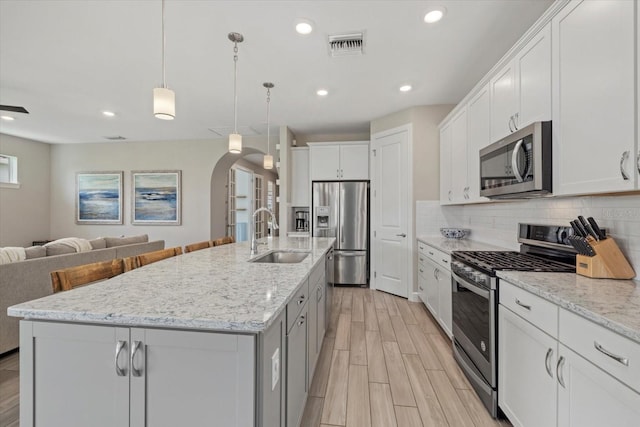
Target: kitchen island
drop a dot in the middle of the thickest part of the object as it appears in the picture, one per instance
(207, 337)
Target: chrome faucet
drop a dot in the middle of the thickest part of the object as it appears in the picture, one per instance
(254, 241)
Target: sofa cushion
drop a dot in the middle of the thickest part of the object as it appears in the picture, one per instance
(119, 241)
(99, 243)
(59, 249)
(35, 252)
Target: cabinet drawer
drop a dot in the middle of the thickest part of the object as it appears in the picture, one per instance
(583, 336)
(296, 304)
(441, 258)
(537, 311)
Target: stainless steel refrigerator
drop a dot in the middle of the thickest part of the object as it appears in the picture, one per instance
(341, 210)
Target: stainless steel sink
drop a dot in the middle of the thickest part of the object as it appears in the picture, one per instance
(281, 257)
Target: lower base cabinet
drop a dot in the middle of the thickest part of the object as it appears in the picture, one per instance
(297, 385)
(105, 376)
(543, 382)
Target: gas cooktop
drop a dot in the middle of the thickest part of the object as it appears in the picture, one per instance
(491, 261)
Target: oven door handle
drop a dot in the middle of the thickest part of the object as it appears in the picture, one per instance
(471, 287)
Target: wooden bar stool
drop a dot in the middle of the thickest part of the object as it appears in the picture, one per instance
(197, 246)
(151, 257)
(224, 240)
(69, 278)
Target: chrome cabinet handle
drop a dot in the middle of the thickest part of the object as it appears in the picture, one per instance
(301, 300)
(515, 123)
(449, 195)
(435, 273)
(301, 322)
(638, 162)
(401, 235)
(121, 345)
(559, 368)
(547, 362)
(134, 350)
(337, 173)
(525, 306)
(510, 120)
(620, 359)
(623, 159)
(341, 173)
(421, 259)
(421, 270)
(430, 253)
(446, 261)
(319, 293)
(420, 287)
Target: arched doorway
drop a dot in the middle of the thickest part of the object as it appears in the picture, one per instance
(220, 191)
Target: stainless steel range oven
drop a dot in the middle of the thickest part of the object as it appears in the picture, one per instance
(475, 299)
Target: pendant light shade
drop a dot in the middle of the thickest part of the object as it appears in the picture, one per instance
(235, 143)
(164, 103)
(267, 162)
(164, 99)
(235, 139)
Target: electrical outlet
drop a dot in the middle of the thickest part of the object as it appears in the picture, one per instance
(275, 368)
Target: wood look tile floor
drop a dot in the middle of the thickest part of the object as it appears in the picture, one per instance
(384, 363)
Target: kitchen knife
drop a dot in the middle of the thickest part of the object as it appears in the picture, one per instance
(583, 231)
(587, 227)
(582, 246)
(597, 229)
(576, 229)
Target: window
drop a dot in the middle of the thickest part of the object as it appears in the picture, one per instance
(8, 171)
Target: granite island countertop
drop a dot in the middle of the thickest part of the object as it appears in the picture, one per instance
(450, 245)
(614, 304)
(213, 289)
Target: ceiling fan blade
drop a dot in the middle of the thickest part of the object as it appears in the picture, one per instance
(13, 109)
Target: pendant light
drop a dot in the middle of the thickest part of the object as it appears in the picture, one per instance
(268, 158)
(164, 99)
(235, 139)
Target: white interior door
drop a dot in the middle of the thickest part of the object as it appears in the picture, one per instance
(391, 258)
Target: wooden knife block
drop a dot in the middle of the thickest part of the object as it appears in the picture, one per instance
(608, 263)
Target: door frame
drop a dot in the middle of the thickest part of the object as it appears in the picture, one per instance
(411, 293)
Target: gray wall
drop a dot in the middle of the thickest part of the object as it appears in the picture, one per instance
(25, 211)
(196, 159)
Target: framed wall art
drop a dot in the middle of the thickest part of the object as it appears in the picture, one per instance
(156, 197)
(99, 197)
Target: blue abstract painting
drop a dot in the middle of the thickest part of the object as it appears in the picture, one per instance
(99, 198)
(156, 197)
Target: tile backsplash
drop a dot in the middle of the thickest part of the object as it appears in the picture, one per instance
(497, 222)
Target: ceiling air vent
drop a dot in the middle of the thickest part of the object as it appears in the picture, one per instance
(346, 44)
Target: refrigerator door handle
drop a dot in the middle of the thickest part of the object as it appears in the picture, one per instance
(341, 233)
(348, 254)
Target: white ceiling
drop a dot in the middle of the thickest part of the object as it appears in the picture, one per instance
(66, 61)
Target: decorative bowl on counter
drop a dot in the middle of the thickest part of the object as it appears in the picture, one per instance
(455, 233)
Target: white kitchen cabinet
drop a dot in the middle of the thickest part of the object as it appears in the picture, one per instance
(436, 281)
(550, 371)
(300, 183)
(422, 272)
(589, 397)
(478, 137)
(521, 91)
(339, 161)
(103, 375)
(526, 371)
(446, 150)
(594, 113)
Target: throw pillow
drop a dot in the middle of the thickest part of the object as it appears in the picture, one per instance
(59, 249)
(99, 243)
(119, 241)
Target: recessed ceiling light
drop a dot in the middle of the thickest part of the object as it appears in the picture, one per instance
(108, 113)
(435, 15)
(7, 118)
(304, 26)
(405, 88)
(322, 92)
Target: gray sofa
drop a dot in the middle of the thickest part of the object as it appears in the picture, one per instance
(30, 279)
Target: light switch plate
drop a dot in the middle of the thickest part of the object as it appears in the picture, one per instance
(275, 368)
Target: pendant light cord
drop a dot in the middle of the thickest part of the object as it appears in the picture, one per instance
(164, 77)
(235, 88)
(268, 133)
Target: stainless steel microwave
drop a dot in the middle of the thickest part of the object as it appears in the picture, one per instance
(518, 166)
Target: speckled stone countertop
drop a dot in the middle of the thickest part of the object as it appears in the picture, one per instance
(210, 289)
(614, 304)
(449, 245)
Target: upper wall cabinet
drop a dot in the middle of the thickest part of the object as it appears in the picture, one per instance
(594, 145)
(453, 160)
(339, 161)
(300, 183)
(521, 91)
(446, 192)
(478, 137)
